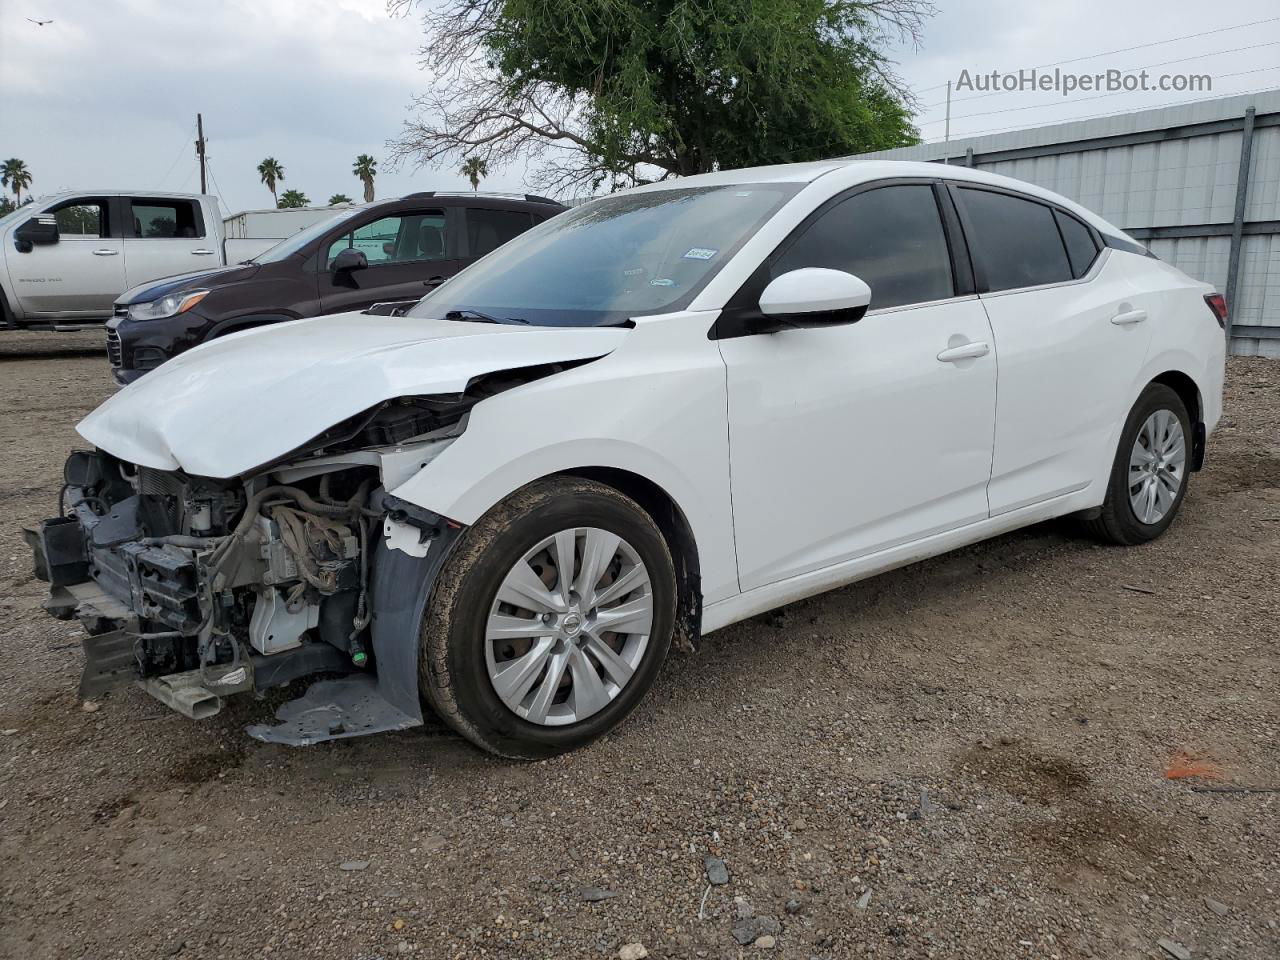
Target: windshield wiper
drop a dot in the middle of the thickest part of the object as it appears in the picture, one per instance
(468, 314)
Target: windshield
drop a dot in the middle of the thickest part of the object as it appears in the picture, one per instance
(611, 259)
(290, 245)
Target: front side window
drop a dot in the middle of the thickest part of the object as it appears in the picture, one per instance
(487, 230)
(890, 237)
(622, 256)
(165, 219)
(1015, 240)
(402, 239)
(81, 219)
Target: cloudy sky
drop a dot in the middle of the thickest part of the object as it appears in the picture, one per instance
(106, 95)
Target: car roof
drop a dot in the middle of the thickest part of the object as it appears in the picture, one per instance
(862, 171)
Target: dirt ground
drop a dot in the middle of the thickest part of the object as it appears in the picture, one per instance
(965, 758)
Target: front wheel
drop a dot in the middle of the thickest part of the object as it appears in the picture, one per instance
(550, 619)
(1149, 476)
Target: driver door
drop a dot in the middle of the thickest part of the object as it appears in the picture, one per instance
(81, 275)
(849, 439)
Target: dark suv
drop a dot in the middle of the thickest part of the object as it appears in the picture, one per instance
(392, 250)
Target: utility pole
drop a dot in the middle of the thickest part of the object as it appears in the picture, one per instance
(200, 149)
(946, 137)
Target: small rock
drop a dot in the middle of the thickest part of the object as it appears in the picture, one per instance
(350, 865)
(175, 949)
(404, 946)
(89, 707)
(633, 951)
(399, 924)
(596, 894)
(717, 872)
(865, 900)
(799, 824)
(793, 906)
(766, 942)
(9, 733)
(745, 910)
(747, 931)
(1217, 906)
(1176, 950)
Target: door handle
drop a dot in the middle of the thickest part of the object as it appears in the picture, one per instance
(202, 253)
(105, 253)
(966, 351)
(434, 281)
(1128, 317)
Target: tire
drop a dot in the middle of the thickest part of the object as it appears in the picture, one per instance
(7, 320)
(459, 664)
(1119, 520)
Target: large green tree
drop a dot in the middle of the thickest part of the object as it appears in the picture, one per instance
(614, 92)
(366, 168)
(293, 198)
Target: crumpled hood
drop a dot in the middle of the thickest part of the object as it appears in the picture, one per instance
(243, 400)
(155, 289)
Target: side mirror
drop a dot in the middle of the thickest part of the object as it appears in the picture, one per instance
(348, 260)
(38, 231)
(814, 296)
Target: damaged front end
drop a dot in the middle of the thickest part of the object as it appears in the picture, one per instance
(201, 588)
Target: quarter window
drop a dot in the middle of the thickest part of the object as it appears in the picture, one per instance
(487, 230)
(1015, 240)
(165, 219)
(890, 237)
(1081, 250)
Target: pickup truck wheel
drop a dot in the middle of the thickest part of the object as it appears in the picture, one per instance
(6, 315)
(550, 619)
(1149, 476)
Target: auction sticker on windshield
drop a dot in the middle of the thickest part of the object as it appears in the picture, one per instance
(699, 253)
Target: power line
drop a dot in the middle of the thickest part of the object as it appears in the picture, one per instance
(217, 189)
(185, 140)
(1113, 113)
(1141, 46)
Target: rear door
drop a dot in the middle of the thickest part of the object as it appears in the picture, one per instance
(164, 236)
(488, 229)
(409, 253)
(1070, 334)
(81, 274)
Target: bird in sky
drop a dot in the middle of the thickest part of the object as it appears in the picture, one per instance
(38, 23)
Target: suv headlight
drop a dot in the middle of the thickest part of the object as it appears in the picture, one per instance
(170, 306)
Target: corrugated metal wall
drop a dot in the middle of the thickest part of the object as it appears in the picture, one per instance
(1169, 176)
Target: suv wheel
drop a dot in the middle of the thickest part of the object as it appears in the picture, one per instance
(550, 619)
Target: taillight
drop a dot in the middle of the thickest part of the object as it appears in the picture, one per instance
(1218, 304)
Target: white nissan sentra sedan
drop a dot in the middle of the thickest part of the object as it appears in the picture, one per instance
(652, 416)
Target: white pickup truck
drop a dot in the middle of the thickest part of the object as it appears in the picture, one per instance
(64, 259)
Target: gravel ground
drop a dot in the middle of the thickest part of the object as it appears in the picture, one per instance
(964, 758)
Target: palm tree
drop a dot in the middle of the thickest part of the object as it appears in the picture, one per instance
(366, 169)
(293, 198)
(271, 173)
(474, 169)
(15, 173)
(338, 198)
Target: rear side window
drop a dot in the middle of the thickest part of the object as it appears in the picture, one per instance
(1081, 250)
(165, 219)
(487, 230)
(891, 237)
(1015, 240)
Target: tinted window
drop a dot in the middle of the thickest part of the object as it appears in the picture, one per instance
(1081, 250)
(81, 219)
(487, 230)
(406, 239)
(891, 237)
(1015, 240)
(164, 219)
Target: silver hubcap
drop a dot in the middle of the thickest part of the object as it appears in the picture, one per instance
(1157, 466)
(569, 626)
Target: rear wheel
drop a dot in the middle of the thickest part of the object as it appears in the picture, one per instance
(1149, 476)
(550, 619)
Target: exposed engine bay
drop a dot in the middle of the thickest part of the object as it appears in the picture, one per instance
(201, 588)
